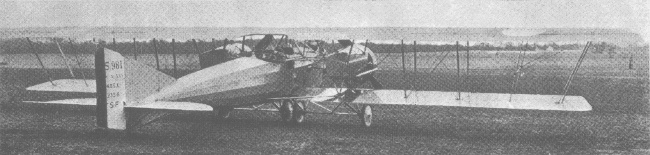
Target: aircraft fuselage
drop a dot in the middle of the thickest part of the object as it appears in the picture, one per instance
(248, 80)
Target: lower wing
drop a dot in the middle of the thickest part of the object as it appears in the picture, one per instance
(462, 99)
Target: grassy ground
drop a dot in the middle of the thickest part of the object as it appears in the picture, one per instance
(397, 130)
(618, 124)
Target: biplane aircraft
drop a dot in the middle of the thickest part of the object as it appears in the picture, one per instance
(276, 74)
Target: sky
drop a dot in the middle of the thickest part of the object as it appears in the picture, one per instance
(626, 14)
(306, 13)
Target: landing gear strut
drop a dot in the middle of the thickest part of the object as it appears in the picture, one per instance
(365, 114)
(286, 111)
(292, 111)
(299, 112)
(224, 113)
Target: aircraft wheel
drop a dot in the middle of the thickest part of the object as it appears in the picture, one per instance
(286, 111)
(299, 112)
(224, 113)
(366, 115)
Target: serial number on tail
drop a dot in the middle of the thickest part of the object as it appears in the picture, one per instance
(114, 65)
(113, 94)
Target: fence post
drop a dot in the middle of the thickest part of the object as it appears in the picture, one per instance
(630, 66)
(415, 57)
(174, 56)
(155, 50)
(196, 47)
(135, 49)
(243, 40)
(225, 42)
(214, 43)
(415, 63)
(457, 69)
(403, 68)
(467, 55)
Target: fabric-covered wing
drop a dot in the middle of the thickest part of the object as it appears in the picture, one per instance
(467, 99)
(67, 85)
(75, 101)
(159, 105)
(182, 106)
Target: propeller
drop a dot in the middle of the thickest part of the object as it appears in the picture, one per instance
(362, 75)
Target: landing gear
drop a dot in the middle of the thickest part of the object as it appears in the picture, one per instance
(286, 111)
(365, 114)
(224, 113)
(292, 111)
(299, 112)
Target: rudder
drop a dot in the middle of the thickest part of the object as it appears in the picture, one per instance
(123, 82)
(111, 91)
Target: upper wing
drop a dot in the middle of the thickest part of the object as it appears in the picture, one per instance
(467, 99)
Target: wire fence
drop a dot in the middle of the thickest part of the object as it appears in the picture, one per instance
(530, 70)
(538, 60)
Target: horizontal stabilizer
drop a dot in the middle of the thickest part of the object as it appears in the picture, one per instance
(67, 85)
(467, 99)
(183, 106)
(76, 101)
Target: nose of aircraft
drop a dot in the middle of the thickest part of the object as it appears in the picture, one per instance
(236, 78)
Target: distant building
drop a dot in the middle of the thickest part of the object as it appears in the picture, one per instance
(2, 60)
(550, 48)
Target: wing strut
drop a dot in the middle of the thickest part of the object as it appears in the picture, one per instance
(78, 61)
(403, 67)
(568, 82)
(39, 61)
(65, 59)
(519, 71)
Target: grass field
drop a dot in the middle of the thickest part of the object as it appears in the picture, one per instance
(618, 124)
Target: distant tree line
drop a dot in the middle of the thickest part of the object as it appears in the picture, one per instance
(21, 45)
(602, 47)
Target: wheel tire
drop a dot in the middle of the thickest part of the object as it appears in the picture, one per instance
(224, 113)
(286, 111)
(298, 112)
(366, 115)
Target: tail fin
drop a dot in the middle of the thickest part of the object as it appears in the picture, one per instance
(122, 82)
